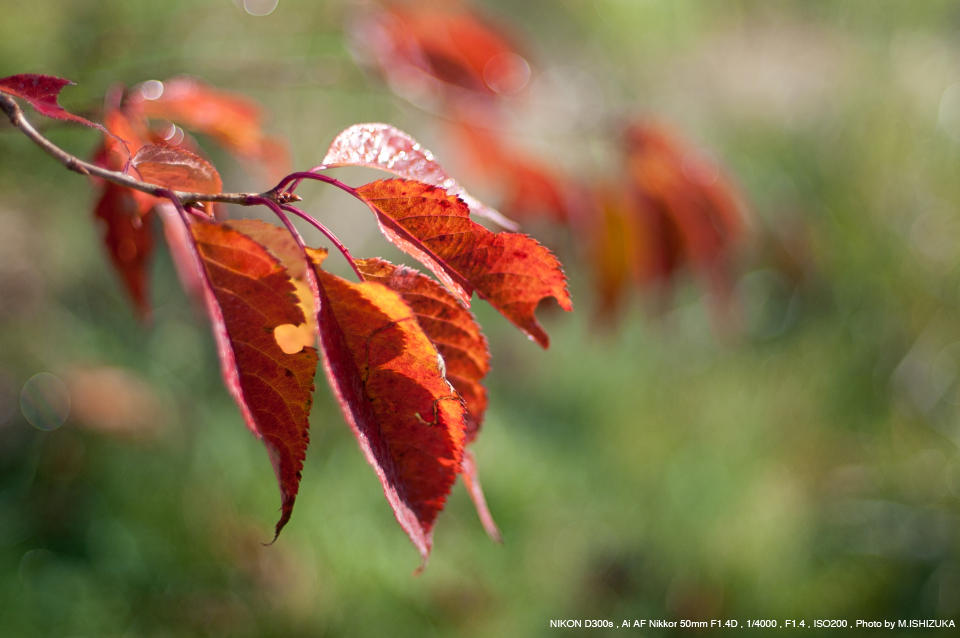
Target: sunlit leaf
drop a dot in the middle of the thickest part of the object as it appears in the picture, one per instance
(512, 272)
(387, 148)
(388, 379)
(249, 294)
(451, 327)
(177, 169)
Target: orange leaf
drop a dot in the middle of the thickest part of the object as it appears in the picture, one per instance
(278, 241)
(284, 247)
(177, 169)
(511, 271)
(450, 327)
(129, 242)
(249, 294)
(388, 379)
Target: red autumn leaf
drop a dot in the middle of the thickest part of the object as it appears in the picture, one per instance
(279, 242)
(387, 148)
(511, 271)
(457, 337)
(249, 294)
(445, 322)
(284, 247)
(41, 92)
(387, 377)
(129, 242)
(233, 120)
(450, 327)
(177, 169)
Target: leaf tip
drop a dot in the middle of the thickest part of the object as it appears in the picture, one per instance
(423, 566)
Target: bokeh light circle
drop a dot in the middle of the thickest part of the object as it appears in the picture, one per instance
(151, 89)
(506, 73)
(260, 7)
(45, 401)
(949, 112)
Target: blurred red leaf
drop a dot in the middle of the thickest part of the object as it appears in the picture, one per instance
(389, 381)
(614, 249)
(249, 294)
(177, 169)
(511, 271)
(178, 241)
(41, 92)
(527, 187)
(387, 148)
(124, 212)
(450, 327)
(123, 124)
(115, 402)
(129, 242)
(690, 212)
(233, 120)
(452, 45)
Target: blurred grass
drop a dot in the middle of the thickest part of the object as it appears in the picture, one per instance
(808, 471)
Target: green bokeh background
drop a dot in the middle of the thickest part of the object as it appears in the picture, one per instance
(807, 470)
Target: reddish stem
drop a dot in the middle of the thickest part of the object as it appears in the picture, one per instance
(278, 210)
(298, 177)
(299, 180)
(329, 235)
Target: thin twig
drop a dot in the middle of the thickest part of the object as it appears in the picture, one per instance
(13, 111)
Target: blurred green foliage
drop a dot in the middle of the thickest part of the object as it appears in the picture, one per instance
(808, 470)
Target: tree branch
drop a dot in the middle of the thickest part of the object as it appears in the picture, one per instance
(77, 165)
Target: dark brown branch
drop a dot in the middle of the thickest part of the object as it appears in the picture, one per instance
(13, 111)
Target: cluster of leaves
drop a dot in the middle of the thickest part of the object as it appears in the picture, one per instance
(142, 131)
(672, 209)
(402, 352)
